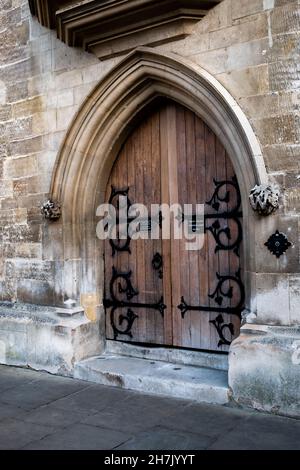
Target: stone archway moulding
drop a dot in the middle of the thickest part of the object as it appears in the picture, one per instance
(104, 121)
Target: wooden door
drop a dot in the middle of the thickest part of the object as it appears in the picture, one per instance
(156, 291)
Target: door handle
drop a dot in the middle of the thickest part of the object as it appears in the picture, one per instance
(157, 264)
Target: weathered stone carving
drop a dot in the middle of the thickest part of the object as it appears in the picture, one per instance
(248, 317)
(264, 198)
(51, 210)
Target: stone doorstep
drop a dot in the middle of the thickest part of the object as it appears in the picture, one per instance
(166, 354)
(199, 384)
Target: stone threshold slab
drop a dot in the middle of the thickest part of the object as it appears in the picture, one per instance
(156, 377)
(174, 355)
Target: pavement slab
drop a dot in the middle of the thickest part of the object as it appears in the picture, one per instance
(39, 411)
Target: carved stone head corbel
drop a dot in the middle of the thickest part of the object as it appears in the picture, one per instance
(51, 210)
(264, 198)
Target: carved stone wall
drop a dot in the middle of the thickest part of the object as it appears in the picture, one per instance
(42, 84)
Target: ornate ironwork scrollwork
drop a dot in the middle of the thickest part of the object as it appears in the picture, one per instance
(217, 232)
(217, 199)
(218, 295)
(128, 289)
(221, 327)
(145, 225)
(118, 244)
(129, 319)
(228, 286)
(116, 303)
(234, 214)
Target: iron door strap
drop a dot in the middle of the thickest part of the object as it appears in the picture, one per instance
(234, 215)
(121, 283)
(228, 286)
(120, 245)
(226, 192)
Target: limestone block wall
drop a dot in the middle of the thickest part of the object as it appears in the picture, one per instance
(251, 47)
(42, 83)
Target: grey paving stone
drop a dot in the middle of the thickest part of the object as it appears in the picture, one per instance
(14, 377)
(10, 411)
(137, 412)
(50, 415)
(41, 391)
(125, 420)
(161, 438)
(19, 372)
(80, 437)
(94, 398)
(41, 411)
(261, 432)
(15, 434)
(211, 420)
(139, 400)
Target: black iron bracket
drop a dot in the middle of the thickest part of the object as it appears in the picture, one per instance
(218, 295)
(234, 214)
(221, 327)
(122, 283)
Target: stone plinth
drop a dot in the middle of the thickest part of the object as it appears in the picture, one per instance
(37, 337)
(264, 368)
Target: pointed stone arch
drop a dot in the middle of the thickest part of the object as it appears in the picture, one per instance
(105, 120)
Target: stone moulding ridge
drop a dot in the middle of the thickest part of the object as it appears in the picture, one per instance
(157, 75)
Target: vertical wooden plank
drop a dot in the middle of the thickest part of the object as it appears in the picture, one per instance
(123, 258)
(202, 197)
(140, 252)
(173, 198)
(132, 155)
(194, 298)
(210, 151)
(223, 255)
(107, 270)
(157, 244)
(234, 260)
(147, 244)
(166, 244)
(110, 260)
(184, 324)
(154, 321)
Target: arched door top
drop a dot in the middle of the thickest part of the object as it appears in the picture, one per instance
(105, 120)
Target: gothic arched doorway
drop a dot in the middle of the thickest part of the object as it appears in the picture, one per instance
(156, 291)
